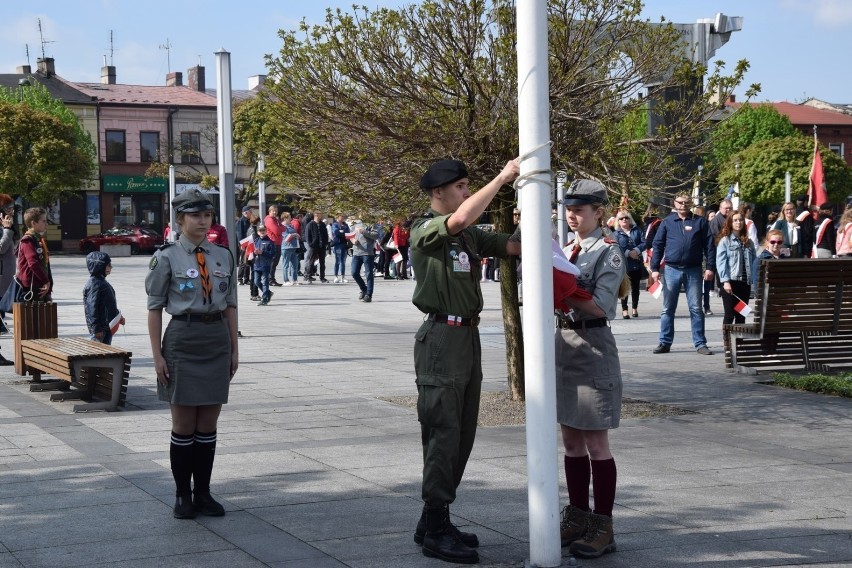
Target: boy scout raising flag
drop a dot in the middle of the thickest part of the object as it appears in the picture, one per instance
(446, 254)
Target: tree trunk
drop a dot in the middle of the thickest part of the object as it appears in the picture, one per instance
(501, 213)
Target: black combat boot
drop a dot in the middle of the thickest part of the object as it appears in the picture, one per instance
(442, 542)
(469, 539)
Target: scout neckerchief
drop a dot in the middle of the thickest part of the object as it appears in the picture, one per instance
(206, 287)
(41, 248)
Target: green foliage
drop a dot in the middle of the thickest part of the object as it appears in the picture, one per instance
(44, 152)
(749, 124)
(763, 166)
(836, 385)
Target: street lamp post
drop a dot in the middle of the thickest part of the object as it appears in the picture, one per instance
(22, 83)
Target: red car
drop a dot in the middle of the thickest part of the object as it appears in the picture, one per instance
(140, 239)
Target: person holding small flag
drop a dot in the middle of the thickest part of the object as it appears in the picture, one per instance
(735, 254)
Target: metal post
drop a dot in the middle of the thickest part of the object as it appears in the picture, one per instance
(261, 187)
(561, 224)
(788, 184)
(172, 217)
(539, 352)
(224, 121)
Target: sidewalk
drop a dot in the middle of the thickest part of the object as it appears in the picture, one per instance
(315, 471)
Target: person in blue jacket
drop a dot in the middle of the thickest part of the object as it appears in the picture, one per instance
(99, 298)
(632, 243)
(685, 242)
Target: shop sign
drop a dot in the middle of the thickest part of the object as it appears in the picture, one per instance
(135, 184)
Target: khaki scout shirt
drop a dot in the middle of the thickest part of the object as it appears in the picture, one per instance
(173, 281)
(448, 267)
(602, 267)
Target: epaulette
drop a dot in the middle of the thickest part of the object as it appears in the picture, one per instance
(164, 245)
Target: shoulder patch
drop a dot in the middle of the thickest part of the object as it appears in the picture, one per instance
(615, 259)
(153, 263)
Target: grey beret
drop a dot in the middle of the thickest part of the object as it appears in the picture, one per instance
(585, 191)
(192, 201)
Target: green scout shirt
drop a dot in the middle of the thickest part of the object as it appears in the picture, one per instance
(448, 267)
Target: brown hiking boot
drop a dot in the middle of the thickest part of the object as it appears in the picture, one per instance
(598, 539)
(573, 524)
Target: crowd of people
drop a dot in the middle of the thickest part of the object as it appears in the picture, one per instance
(301, 243)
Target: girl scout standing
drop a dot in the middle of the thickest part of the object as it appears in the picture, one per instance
(588, 385)
(193, 280)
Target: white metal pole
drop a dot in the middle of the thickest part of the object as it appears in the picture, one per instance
(788, 186)
(561, 224)
(261, 188)
(172, 216)
(539, 365)
(224, 120)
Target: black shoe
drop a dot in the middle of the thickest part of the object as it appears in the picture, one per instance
(206, 505)
(663, 348)
(361, 295)
(323, 280)
(469, 539)
(183, 507)
(703, 350)
(440, 541)
(5, 362)
(367, 299)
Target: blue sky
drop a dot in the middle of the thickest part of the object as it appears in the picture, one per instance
(795, 47)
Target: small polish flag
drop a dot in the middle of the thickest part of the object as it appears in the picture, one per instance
(351, 235)
(113, 325)
(397, 257)
(742, 308)
(656, 289)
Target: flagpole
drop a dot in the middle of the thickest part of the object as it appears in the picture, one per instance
(535, 190)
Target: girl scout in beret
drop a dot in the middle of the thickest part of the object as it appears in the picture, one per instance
(193, 281)
(588, 375)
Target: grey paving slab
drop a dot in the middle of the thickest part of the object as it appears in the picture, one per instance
(316, 471)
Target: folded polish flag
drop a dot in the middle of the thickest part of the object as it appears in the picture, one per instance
(397, 257)
(742, 308)
(656, 289)
(565, 280)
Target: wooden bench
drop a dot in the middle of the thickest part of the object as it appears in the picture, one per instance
(96, 370)
(802, 319)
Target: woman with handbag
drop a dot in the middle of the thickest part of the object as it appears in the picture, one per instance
(630, 240)
(33, 262)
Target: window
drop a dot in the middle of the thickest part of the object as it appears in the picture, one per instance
(837, 149)
(115, 146)
(149, 146)
(190, 148)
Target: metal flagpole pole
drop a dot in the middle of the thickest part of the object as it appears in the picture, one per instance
(225, 146)
(535, 189)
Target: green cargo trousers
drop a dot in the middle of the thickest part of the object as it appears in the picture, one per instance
(448, 365)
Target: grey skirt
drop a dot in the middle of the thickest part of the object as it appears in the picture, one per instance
(588, 379)
(199, 359)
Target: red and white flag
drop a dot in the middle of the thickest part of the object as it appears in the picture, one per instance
(113, 325)
(742, 308)
(397, 257)
(817, 194)
(656, 289)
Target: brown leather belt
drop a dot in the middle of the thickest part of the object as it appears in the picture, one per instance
(455, 321)
(200, 318)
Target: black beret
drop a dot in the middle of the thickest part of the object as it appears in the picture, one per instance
(443, 172)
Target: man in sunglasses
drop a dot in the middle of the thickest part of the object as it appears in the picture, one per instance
(685, 241)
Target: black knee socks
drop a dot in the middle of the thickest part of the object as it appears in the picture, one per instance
(180, 455)
(203, 453)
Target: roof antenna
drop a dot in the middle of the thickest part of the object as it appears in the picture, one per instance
(168, 47)
(111, 48)
(43, 41)
(27, 49)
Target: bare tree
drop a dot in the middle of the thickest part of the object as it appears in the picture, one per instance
(357, 107)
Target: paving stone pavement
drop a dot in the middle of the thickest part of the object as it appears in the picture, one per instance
(316, 471)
